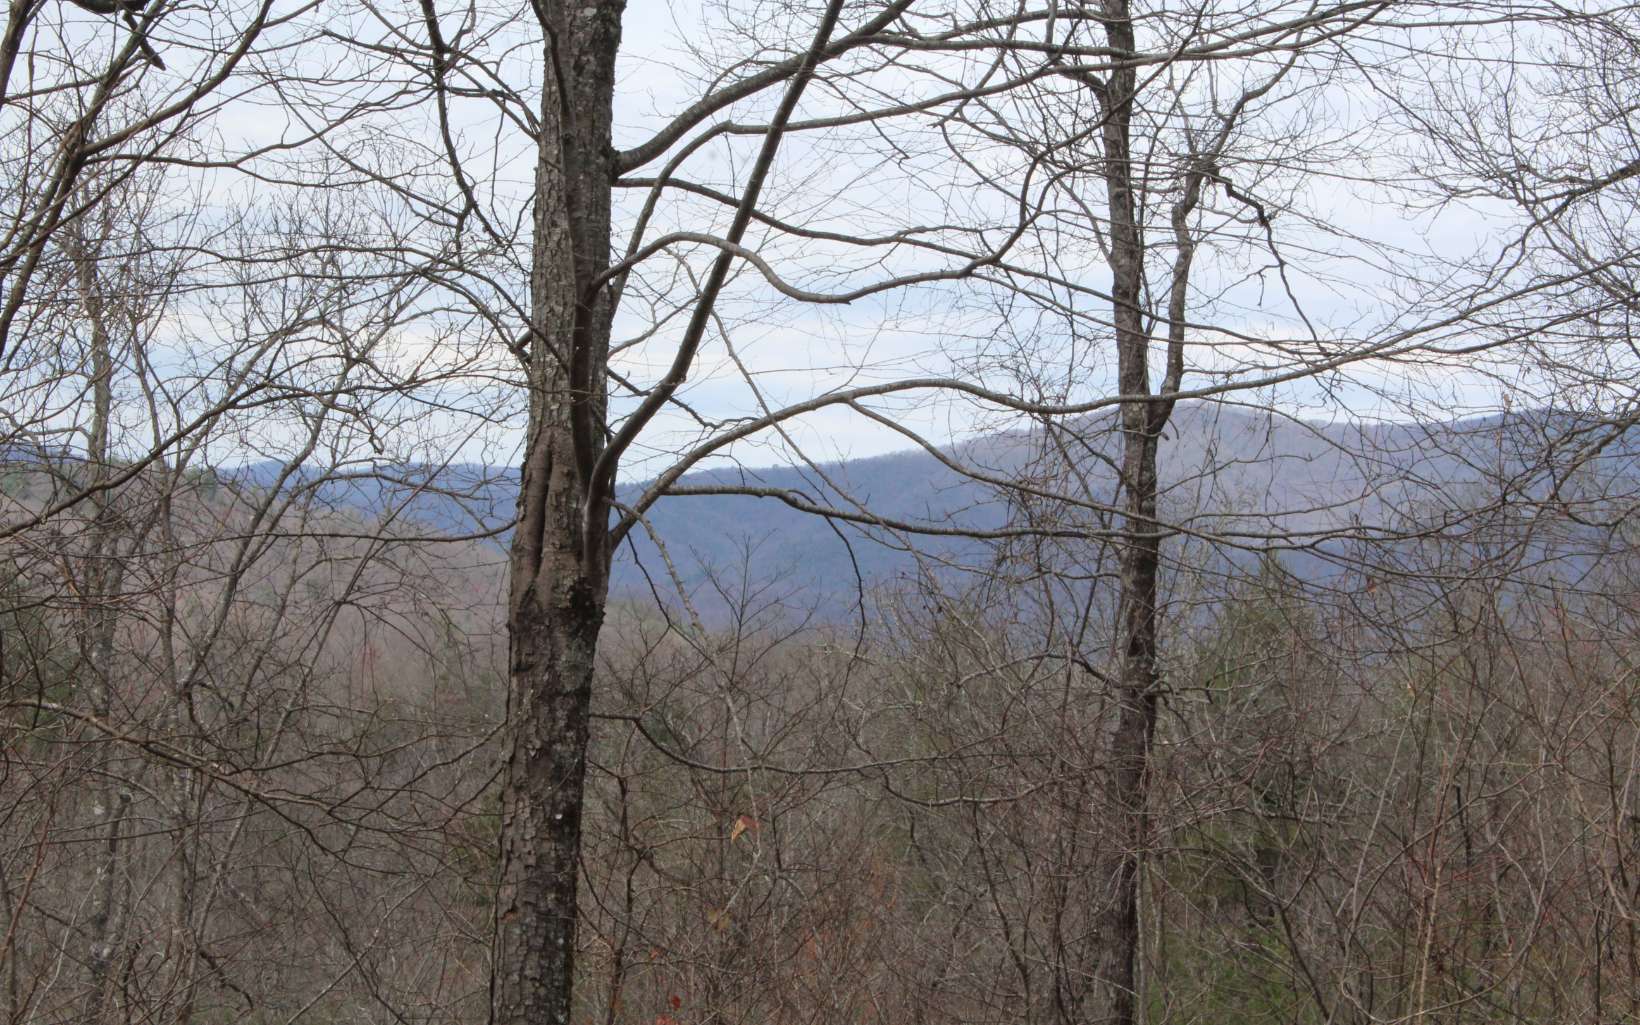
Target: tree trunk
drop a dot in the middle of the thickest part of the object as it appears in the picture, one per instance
(1141, 424)
(559, 571)
(101, 577)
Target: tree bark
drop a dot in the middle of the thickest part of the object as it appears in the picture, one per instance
(101, 578)
(1140, 560)
(558, 575)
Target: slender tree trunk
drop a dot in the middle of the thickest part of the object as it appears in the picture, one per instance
(1140, 561)
(559, 571)
(183, 952)
(100, 579)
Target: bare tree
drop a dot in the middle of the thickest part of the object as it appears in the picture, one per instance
(981, 71)
(460, 224)
(191, 703)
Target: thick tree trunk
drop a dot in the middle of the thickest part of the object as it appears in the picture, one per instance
(553, 644)
(560, 555)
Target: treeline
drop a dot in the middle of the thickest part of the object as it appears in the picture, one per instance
(1387, 795)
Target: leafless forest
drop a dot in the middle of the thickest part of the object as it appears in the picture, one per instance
(758, 512)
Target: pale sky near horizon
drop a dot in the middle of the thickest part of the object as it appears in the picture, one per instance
(794, 351)
(1337, 292)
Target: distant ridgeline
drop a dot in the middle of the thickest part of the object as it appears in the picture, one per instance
(1546, 490)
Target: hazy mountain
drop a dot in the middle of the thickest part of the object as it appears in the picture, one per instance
(1247, 475)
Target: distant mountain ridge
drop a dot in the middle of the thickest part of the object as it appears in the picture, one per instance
(1249, 474)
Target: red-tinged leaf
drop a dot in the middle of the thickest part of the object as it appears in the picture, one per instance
(676, 1001)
